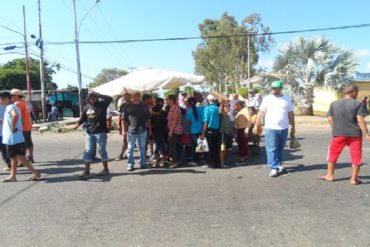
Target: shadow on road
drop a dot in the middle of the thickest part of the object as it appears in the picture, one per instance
(160, 172)
(303, 168)
(97, 178)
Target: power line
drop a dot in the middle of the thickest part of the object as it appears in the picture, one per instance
(12, 30)
(113, 33)
(209, 37)
(112, 53)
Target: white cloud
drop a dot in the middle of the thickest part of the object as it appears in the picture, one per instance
(363, 52)
(368, 66)
(266, 63)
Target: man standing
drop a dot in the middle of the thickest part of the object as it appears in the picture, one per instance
(93, 119)
(14, 140)
(254, 99)
(211, 131)
(23, 106)
(346, 117)
(3, 151)
(126, 99)
(136, 120)
(277, 110)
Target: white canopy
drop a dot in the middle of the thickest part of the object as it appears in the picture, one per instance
(148, 79)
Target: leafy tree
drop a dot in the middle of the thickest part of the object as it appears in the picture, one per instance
(174, 91)
(13, 75)
(71, 88)
(225, 59)
(308, 63)
(188, 90)
(107, 75)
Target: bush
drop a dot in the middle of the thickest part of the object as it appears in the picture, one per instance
(242, 91)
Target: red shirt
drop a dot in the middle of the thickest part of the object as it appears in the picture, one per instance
(170, 119)
(25, 110)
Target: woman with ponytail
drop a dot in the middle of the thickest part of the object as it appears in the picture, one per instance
(195, 116)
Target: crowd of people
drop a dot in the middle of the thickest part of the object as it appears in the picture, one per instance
(168, 131)
(196, 130)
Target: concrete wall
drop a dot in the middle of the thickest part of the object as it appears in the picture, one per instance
(324, 96)
(364, 87)
(322, 100)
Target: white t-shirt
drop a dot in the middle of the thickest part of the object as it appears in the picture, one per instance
(276, 109)
(254, 101)
(232, 110)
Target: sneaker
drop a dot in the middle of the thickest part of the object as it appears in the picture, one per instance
(130, 168)
(85, 175)
(174, 165)
(281, 169)
(192, 163)
(104, 172)
(145, 166)
(30, 159)
(118, 158)
(273, 173)
(207, 166)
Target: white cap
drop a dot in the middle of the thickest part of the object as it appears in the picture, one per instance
(210, 97)
(16, 91)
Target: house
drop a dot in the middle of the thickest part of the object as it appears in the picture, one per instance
(324, 96)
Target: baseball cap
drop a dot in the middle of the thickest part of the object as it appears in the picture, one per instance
(16, 91)
(277, 84)
(210, 97)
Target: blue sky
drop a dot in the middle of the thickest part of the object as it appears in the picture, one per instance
(121, 20)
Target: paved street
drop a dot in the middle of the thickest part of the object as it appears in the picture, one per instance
(240, 206)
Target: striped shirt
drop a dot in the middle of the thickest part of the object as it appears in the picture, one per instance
(170, 119)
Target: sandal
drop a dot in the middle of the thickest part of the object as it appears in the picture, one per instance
(357, 182)
(35, 177)
(323, 178)
(9, 179)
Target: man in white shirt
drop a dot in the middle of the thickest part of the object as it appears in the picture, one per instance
(277, 110)
(254, 100)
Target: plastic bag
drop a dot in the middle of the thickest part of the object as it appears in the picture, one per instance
(294, 143)
(202, 146)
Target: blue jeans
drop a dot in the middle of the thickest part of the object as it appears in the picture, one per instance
(275, 141)
(131, 139)
(90, 146)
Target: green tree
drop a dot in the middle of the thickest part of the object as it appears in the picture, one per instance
(225, 58)
(107, 75)
(174, 91)
(13, 75)
(71, 88)
(308, 63)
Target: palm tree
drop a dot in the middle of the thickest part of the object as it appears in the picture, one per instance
(309, 63)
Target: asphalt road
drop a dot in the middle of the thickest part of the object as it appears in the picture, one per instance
(240, 206)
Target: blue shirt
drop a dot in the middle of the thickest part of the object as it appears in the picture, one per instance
(10, 138)
(2, 111)
(212, 116)
(196, 125)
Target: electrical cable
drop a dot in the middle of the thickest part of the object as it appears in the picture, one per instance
(208, 37)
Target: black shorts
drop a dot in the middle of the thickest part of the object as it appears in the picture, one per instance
(227, 140)
(16, 149)
(28, 139)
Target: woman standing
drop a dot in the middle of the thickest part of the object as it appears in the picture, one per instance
(175, 128)
(225, 131)
(195, 116)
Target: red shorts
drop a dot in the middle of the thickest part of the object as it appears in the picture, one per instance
(339, 142)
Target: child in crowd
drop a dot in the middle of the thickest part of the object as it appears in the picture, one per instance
(159, 131)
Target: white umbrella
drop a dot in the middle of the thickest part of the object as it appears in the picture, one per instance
(148, 79)
(263, 78)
